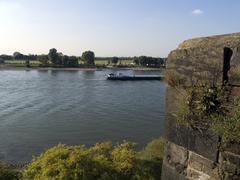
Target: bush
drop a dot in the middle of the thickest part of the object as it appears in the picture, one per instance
(8, 173)
(228, 128)
(153, 151)
(202, 104)
(211, 108)
(102, 161)
(150, 160)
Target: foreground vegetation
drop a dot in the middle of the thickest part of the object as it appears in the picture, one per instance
(101, 161)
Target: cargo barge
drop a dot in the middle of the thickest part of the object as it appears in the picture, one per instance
(133, 77)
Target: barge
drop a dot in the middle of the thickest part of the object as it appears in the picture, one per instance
(133, 77)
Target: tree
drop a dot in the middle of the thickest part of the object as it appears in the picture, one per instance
(53, 56)
(65, 60)
(27, 62)
(6, 57)
(148, 61)
(88, 57)
(136, 60)
(73, 61)
(43, 59)
(18, 55)
(114, 60)
(2, 61)
(69, 61)
(31, 57)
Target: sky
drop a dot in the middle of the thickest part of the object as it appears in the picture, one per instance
(111, 27)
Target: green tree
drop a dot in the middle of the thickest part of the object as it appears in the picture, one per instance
(2, 61)
(53, 56)
(73, 61)
(6, 57)
(65, 60)
(27, 62)
(18, 56)
(136, 60)
(88, 57)
(69, 61)
(114, 60)
(43, 59)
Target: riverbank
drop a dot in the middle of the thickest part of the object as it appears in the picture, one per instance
(3, 67)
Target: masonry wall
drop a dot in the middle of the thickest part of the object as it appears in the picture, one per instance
(190, 154)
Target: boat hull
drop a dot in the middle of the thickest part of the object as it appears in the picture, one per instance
(135, 78)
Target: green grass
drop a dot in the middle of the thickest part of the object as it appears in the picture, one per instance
(21, 62)
(105, 62)
(97, 62)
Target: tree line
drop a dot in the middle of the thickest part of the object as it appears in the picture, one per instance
(149, 61)
(58, 59)
(52, 58)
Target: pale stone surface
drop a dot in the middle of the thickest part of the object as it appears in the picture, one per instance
(200, 163)
(176, 154)
(193, 174)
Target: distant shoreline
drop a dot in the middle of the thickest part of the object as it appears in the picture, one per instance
(79, 68)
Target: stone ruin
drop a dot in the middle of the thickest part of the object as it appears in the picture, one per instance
(189, 154)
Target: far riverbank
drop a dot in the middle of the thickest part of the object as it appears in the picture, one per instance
(2, 67)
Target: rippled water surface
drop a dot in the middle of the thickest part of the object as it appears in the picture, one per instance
(39, 109)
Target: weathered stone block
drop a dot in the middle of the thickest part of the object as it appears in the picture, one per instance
(170, 173)
(197, 175)
(204, 144)
(228, 168)
(231, 158)
(176, 155)
(201, 163)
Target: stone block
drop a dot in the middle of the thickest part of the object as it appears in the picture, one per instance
(176, 155)
(204, 144)
(201, 163)
(170, 173)
(231, 158)
(196, 175)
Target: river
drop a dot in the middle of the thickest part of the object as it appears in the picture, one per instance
(41, 108)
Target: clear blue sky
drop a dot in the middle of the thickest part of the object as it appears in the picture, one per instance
(111, 27)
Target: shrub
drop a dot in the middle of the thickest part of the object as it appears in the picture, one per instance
(154, 150)
(201, 104)
(8, 173)
(228, 128)
(102, 161)
(211, 108)
(150, 159)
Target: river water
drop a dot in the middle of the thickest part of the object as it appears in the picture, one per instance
(41, 108)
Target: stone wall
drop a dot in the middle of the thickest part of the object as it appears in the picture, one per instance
(190, 154)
